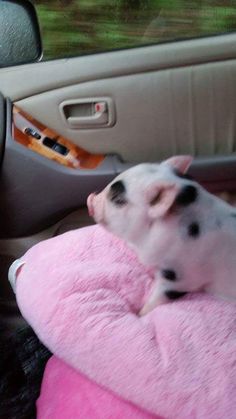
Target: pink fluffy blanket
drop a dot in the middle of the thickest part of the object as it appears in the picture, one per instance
(81, 292)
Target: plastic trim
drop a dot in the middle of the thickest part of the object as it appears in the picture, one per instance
(2, 126)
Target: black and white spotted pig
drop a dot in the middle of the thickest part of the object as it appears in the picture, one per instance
(185, 233)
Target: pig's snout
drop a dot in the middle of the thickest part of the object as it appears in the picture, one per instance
(90, 204)
(187, 195)
(95, 204)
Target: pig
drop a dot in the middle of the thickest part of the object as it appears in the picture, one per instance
(176, 227)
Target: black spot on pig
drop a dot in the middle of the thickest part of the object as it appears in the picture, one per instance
(174, 295)
(117, 193)
(194, 230)
(187, 195)
(169, 274)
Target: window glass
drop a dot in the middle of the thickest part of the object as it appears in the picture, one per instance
(76, 27)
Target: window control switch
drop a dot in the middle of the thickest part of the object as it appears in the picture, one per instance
(55, 146)
(33, 133)
(61, 149)
(48, 142)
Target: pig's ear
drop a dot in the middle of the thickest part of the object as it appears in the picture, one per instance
(160, 199)
(180, 163)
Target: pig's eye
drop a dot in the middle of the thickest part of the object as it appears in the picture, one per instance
(116, 193)
(119, 201)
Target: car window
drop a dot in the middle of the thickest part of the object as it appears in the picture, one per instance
(76, 27)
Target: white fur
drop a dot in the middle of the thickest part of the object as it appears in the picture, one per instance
(158, 230)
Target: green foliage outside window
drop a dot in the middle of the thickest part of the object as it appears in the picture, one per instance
(76, 27)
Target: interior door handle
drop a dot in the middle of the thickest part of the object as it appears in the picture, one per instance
(99, 115)
(88, 113)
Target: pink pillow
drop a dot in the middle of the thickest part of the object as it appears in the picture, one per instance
(81, 292)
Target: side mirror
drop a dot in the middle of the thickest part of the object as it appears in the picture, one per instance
(20, 40)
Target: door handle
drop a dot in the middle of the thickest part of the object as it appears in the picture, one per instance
(99, 115)
(88, 113)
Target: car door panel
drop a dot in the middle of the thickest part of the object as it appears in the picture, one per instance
(182, 110)
(27, 80)
(171, 98)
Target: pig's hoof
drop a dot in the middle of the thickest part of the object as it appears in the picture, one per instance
(144, 311)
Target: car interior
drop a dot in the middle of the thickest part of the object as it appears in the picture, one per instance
(69, 126)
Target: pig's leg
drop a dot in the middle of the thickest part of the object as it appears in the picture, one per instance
(162, 292)
(156, 298)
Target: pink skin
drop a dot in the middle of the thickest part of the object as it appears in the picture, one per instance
(96, 210)
(90, 204)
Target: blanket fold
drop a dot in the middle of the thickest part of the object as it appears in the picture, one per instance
(81, 293)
